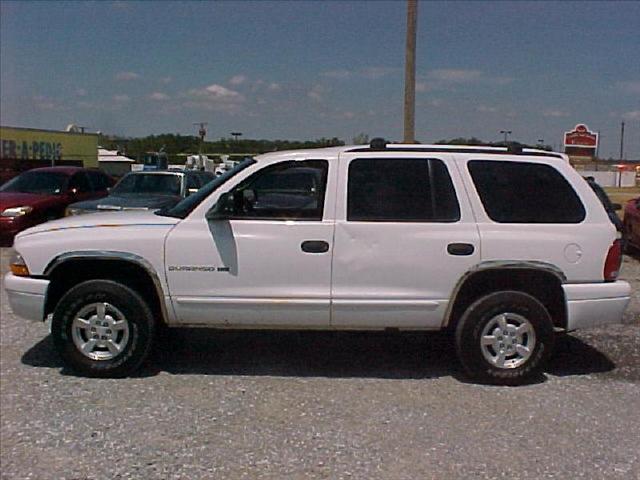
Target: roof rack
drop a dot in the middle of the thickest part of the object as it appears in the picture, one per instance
(380, 144)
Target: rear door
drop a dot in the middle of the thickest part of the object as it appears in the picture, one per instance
(405, 234)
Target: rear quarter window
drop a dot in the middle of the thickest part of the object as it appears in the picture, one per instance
(521, 192)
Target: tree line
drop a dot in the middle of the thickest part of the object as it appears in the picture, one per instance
(179, 145)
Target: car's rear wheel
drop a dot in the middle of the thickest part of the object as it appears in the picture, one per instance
(103, 329)
(505, 338)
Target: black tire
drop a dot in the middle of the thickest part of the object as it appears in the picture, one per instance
(137, 314)
(484, 311)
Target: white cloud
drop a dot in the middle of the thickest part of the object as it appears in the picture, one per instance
(215, 98)
(371, 73)
(486, 109)
(126, 76)
(81, 92)
(237, 80)
(338, 74)
(317, 92)
(455, 75)
(447, 76)
(554, 113)
(218, 92)
(629, 87)
(374, 73)
(632, 115)
(274, 87)
(44, 103)
(166, 80)
(121, 98)
(159, 96)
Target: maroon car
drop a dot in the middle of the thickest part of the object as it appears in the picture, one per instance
(42, 194)
(632, 223)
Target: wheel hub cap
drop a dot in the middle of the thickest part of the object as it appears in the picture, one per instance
(508, 340)
(100, 331)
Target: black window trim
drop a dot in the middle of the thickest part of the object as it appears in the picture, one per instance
(429, 161)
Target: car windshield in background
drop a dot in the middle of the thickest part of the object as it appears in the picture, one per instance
(37, 182)
(140, 183)
(186, 206)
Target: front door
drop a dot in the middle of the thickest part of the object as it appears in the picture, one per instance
(265, 261)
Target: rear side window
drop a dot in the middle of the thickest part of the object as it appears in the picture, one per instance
(401, 190)
(520, 192)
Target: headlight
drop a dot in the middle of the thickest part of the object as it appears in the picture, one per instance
(16, 211)
(18, 266)
(72, 211)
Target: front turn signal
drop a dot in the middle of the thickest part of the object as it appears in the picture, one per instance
(18, 266)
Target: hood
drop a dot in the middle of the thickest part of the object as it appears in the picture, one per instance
(115, 202)
(18, 199)
(139, 218)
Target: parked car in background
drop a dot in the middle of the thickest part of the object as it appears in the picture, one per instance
(146, 191)
(632, 224)
(43, 194)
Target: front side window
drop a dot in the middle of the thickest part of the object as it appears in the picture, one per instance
(521, 192)
(401, 190)
(285, 191)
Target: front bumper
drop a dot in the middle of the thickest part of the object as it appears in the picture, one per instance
(595, 304)
(26, 296)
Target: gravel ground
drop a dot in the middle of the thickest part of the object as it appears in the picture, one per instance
(232, 405)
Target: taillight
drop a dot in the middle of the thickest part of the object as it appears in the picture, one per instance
(613, 262)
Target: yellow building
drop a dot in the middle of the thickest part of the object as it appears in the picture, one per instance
(25, 148)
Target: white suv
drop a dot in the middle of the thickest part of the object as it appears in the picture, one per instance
(504, 248)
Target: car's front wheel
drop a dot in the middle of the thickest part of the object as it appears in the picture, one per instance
(504, 338)
(102, 328)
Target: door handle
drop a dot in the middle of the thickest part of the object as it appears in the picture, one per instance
(460, 249)
(314, 246)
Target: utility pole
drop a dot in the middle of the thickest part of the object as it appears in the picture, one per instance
(410, 74)
(202, 132)
(622, 141)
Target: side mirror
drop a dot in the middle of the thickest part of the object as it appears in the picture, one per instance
(223, 209)
(616, 206)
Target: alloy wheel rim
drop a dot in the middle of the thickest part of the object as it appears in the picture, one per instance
(100, 331)
(508, 340)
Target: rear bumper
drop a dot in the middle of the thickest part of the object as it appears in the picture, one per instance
(594, 304)
(26, 296)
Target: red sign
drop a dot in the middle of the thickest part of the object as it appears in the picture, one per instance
(580, 136)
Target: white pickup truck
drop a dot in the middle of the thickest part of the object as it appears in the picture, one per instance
(505, 248)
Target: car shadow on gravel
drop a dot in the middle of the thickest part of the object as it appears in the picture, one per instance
(572, 356)
(322, 354)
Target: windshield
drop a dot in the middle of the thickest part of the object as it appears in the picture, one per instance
(37, 182)
(148, 183)
(186, 206)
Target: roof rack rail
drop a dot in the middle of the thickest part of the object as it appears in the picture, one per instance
(514, 148)
(378, 143)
